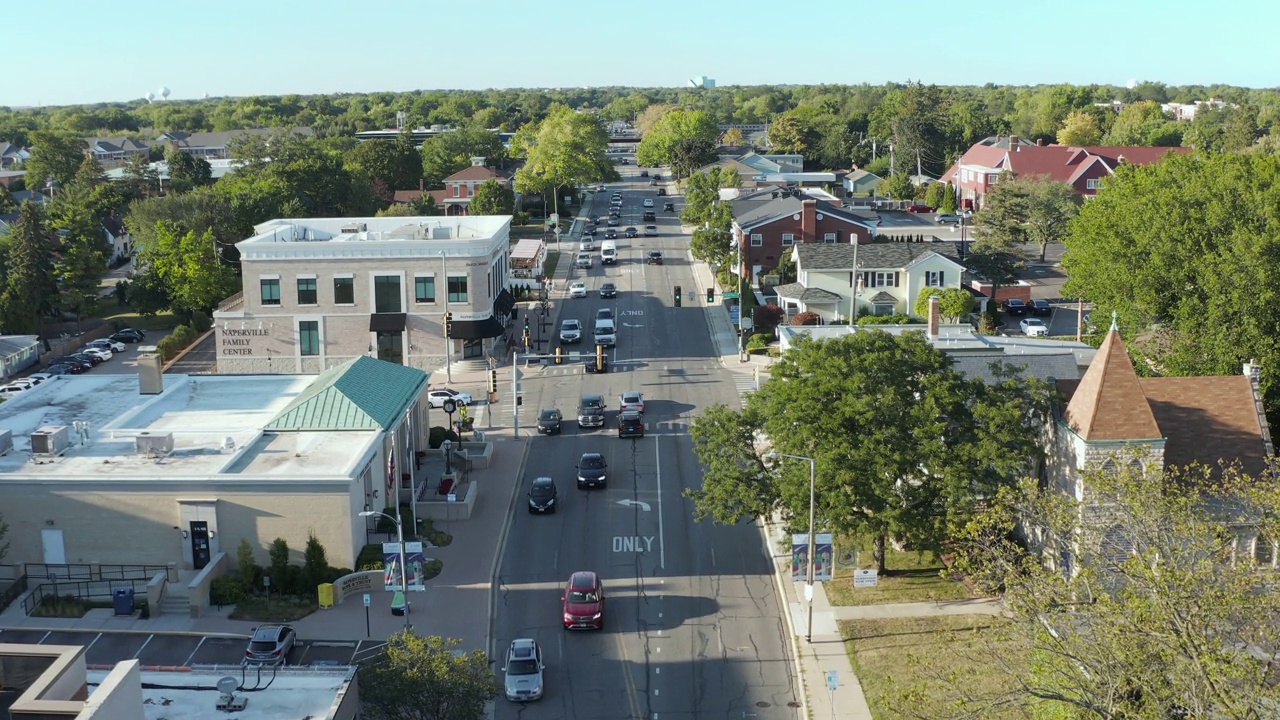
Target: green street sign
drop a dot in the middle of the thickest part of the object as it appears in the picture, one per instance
(730, 296)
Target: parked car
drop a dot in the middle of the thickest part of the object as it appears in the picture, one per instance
(62, 369)
(608, 290)
(523, 671)
(578, 290)
(668, 207)
(549, 421)
(949, 219)
(919, 209)
(592, 469)
(570, 331)
(26, 383)
(436, 398)
(82, 364)
(94, 360)
(108, 344)
(1033, 327)
(655, 257)
(40, 377)
(270, 645)
(630, 425)
(100, 352)
(129, 335)
(542, 496)
(1041, 307)
(591, 410)
(11, 391)
(583, 602)
(1015, 306)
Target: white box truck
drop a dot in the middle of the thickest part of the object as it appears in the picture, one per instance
(609, 252)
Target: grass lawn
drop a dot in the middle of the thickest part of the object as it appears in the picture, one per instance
(891, 656)
(68, 606)
(911, 577)
(553, 259)
(280, 608)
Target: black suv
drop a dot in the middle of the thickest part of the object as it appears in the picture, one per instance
(591, 410)
(542, 496)
(630, 425)
(649, 216)
(591, 471)
(655, 257)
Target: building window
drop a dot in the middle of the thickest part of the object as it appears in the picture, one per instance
(386, 294)
(309, 337)
(306, 291)
(270, 291)
(457, 190)
(788, 239)
(1264, 552)
(344, 291)
(757, 240)
(829, 238)
(882, 279)
(991, 179)
(1093, 183)
(934, 278)
(424, 289)
(458, 289)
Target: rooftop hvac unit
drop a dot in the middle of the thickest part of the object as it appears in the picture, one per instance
(440, 233)
(150, 371)
(353, 228)
(6, 441)
(51, 440)
(232, 703)
(153, 443)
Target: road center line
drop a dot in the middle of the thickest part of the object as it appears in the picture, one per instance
(662, 541)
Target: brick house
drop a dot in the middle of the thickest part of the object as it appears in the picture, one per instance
(770, 222)
(1083, 168)
(459, 187)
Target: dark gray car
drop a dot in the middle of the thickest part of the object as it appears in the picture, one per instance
(542, 496)
(549, 421)
(592, 471)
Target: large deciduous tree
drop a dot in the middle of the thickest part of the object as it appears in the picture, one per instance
(1164, 612)
(788, 135)
(1143, 123)
(1026, 210)
(733, 137)
(54, 156)
(566, 149)
(424, 678)
(186, 171)
(1081, 129)
(29, 289)
(679, 135)
(953, 303)
(1191, 242)
(492, 198)
(397, 163)
(649, 117)
(449, 152)
(906, 447)
(192, 268)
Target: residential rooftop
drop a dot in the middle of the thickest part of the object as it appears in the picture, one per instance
(218, 425)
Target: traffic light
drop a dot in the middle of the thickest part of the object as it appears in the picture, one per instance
(711, 295)
(526, 324)
(493, 381)
(559, 355)
(599, 358)
(677, 296)
(448, 324)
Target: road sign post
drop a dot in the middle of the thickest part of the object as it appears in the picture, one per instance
(367, 602)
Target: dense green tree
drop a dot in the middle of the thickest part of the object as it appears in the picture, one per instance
(565, 149)
(712, 241)
(1221, 130)
(954, 304)
(397, 163)
(898, 187)
(302, 179)
(1041, 113)
(1026, 210)
(492, 198)
(140, 179)
(1165, 613)
(29, 289)
(916, 120)
(426, 678)
(1081, 129)
(933, 195)
(81, 257)
(788, 135)
(447, 153)
(196, 211)
(186, 171)
(1139, 123)
(733, 137)
(1190, 242)
(147, 293)
(993, 265)
(7, 203)
(54, 155)
(906, 447)
(702, 194)
(948, 204)
(192, 268)
(649, 117)
(662, 143)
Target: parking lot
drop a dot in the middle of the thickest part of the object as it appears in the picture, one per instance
(184, 650)
(125, 363)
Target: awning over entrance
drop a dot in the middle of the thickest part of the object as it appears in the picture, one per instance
(504, 303)
(387, 322)
(477, 329)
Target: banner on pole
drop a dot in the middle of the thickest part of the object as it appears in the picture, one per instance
(800, 557)
(391, 566)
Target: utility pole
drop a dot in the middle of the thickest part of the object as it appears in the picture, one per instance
(918, 171)
(892, 159)
(873, 149)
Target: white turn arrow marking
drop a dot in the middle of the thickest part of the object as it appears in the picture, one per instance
(634, 503)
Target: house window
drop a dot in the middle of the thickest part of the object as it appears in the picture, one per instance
(458, 289)
(309, 337)
(934, 278)
(306, 291)
(829, 238)
(991, 179)
(386, 294)
(344, 291)
(270, 291)
(788, 239)
(1264, 551)
(1093, 183)
(457, 190)
(885, 279)
(424, 289)
(757, 240)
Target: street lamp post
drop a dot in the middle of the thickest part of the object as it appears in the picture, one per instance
(813, 472)
(404, 578)
(448, 341)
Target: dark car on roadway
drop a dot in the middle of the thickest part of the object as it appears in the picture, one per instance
(655, 257)
(668, 207)
(549, 421)
(542, 496)
(592, 471)
(608, 290)
(1041, 307)
(610, 234)
(630, 425)
(662, 191)
(653, 183)
(649, 216)
(270, 645)
(591, 410)
(591, 231)
(1015, 306)
(583, 602)
(644, 173)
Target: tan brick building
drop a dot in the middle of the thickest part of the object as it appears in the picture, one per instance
(318, 292)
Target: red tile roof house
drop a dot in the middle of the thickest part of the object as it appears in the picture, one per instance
(459, 187)
(771, 221)
(1082, 168)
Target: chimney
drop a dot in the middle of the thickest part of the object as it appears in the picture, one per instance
(808, 220)
(934, 317)
(477, 162)
(1039, 142)
(421, 187)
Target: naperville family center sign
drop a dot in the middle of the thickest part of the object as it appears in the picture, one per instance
(237, 341)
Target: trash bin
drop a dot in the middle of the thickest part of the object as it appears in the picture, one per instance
(122, 600)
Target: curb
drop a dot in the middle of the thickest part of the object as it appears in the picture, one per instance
(786, 613)
(177, 633)
(497, 556)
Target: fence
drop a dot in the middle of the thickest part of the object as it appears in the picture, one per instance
(90, 590)
(90, 572)
(11, 590)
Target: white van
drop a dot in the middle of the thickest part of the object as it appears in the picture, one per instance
(609, 252)
(606, 333)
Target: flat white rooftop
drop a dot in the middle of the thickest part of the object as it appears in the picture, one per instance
(377, 229)
(202, 413)
(294, 693)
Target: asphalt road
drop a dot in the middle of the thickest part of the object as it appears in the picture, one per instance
(693, 625)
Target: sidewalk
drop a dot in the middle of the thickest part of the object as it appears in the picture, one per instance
(723, 333)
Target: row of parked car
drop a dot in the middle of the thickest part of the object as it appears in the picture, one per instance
(86, 358)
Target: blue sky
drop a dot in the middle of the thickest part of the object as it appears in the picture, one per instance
(74, 51)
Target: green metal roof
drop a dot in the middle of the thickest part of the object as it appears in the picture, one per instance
(360, 394)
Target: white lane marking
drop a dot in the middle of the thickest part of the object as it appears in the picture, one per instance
(144, 646)
(193, 652)
(657, 692)
(662, 542)
(713, 557)
(657, 671)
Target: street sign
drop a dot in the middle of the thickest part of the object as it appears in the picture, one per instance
(865, 578)
(368, 599)
(729, 296)
(833, 680)
(519, 374)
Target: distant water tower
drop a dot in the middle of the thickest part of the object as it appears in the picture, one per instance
(164, 93)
